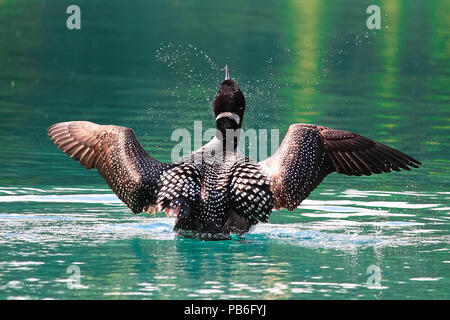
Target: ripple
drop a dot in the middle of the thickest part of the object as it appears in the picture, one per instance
(21, 263)
(426, 279)
(296, 235)
(30, 216)
(386, 204)
(159, 229)
(74, 198)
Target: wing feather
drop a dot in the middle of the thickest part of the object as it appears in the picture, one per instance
(309, 153)
(117, 155)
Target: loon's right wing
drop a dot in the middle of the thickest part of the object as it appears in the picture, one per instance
(309, 153)
(115, 152)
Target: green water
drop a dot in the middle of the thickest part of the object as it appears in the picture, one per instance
(155, 66)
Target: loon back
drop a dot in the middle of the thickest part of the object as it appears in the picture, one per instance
(216, 194)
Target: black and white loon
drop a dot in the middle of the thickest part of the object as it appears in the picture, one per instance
(216, 189)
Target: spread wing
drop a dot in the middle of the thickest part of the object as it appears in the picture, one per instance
(115, 152)
(309, 153)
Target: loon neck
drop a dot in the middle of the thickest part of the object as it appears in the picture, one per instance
(228, 125)
(229, 137)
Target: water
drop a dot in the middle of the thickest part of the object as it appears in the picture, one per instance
(155, 67)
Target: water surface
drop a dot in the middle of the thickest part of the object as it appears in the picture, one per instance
(155, 67)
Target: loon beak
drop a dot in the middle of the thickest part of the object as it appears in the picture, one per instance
(227, 74)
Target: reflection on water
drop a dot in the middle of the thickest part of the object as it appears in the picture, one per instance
(321, 250)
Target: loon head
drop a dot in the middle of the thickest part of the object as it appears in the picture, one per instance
(229, 105)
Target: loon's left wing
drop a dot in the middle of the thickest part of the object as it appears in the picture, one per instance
(309, 153)
(116, 153)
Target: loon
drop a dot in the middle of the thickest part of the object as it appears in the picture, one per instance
(217, 190)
